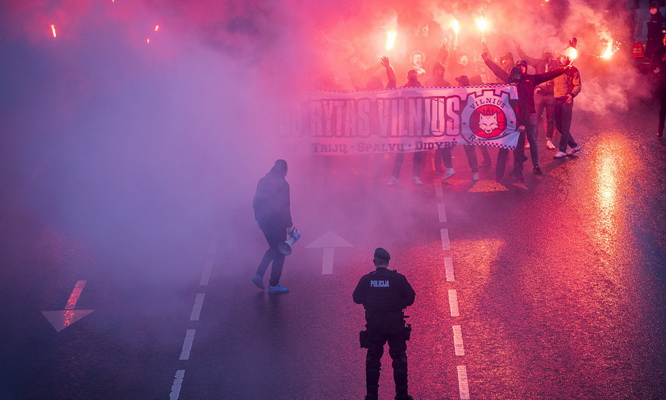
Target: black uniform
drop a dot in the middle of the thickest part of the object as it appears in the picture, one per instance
(659, 61)
(384, 294)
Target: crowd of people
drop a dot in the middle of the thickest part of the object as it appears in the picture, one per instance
(547, 86)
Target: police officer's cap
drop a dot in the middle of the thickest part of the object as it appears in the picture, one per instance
(382, 254)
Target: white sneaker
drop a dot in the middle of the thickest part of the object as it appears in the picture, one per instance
(573, 151)
(449, 173)
(560, 154)
(392, 182)
(475, 176)
(417, 181)
(550, 145)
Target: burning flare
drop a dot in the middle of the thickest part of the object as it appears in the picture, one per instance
(53, 31)
(390, 40)
(455, 26)
(571, 53)
(611, 49)
(481, 23)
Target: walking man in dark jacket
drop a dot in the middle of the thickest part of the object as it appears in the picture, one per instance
(384, 295)
(272, 212)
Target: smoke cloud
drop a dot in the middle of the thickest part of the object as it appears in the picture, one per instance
(163, 114)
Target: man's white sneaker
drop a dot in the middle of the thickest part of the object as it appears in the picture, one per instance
(392, 182)
(573, 151)
(475, 176)
(560, 154)
(417, 181)
(449, 173)
(550, 145)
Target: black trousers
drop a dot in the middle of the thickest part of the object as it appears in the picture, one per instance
(662, 107)
(275, 234)
(381, 329)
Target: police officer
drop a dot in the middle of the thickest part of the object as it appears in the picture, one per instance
(384, 294)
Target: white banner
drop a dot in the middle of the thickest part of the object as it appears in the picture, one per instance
(405, 120)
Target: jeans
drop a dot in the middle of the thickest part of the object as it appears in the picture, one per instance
(275, 234)
(563, 113)
(544, 102)
(471, 157)
(418, 163)
(518, 158)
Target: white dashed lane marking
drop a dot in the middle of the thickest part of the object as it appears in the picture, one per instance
(463, 385)
(196, 310)
(177, 384)
(441, 209)
(446, 243)
(205, 275)
(187, 344)
(458, 341)
(448, 268)
(453, 303)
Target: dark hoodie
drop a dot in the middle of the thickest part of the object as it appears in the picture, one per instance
(271, 202)
(526, 82)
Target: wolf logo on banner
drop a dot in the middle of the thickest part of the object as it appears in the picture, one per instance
(488, 117)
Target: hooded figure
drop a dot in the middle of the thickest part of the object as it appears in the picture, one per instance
(525, 113)
(655, 29)
(272, 211)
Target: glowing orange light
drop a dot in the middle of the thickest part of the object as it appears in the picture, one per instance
(571, 53)
(53, 31)
(482, 23)
(455, 25)
(157, 28)
(610, 50)
(391, 36)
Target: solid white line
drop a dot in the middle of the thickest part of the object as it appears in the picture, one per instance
(439, 192)
(177, 383)
(448, 267)
(446, 243)
(463, 385)
(205, 275)
(453, 303)
(458, 341)
(441, 208)
(196, 310)
(187, 344)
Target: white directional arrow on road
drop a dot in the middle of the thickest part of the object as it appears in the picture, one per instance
(64, 318)
(328, 241)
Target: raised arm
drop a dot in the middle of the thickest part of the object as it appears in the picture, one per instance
(497, 70)
(390, 73)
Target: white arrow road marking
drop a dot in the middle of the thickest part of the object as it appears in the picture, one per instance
(328, 241)
(64, 318)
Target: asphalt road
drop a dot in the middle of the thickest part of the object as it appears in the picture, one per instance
(548, 289)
